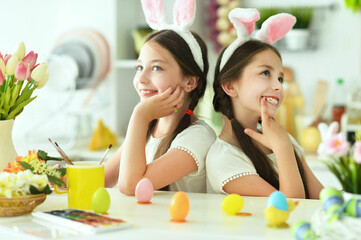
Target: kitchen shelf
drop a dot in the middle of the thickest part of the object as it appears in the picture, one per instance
(126, 64)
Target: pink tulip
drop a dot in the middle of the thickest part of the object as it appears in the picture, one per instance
(22, 71)
(1, 56)
(1, 78)
(357, 152)
(6, 57)
(31, 58)
(336, 145)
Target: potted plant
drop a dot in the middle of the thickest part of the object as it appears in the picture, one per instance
(299, 37)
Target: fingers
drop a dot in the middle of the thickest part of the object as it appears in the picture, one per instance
(253, 134)
(264, 110)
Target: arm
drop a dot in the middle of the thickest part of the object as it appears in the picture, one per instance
(111, 169)
(314, 186)
(276, 138)
(133, 166)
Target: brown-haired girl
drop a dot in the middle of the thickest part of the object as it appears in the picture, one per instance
(254, 155)
(165, 142)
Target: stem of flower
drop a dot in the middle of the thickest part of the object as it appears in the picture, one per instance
(30, 85)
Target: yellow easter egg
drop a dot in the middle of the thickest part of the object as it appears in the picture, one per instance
(232, 204)
(179, 207)
(100, 201)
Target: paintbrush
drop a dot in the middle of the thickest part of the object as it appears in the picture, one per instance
(106, 152)
(61, 152)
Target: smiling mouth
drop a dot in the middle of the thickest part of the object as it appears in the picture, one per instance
(146, 92)
(272, 100)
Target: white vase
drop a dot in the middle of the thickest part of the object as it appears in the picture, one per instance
(7, 150)
(347, 196)
(297, 39)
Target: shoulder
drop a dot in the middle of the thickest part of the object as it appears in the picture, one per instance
(196, 131)
(223, 153)
(225, 163)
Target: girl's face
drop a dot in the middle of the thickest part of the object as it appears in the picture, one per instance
(157, 70)
(261, 78)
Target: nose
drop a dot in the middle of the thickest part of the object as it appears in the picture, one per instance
(277, 85)
(142, 77)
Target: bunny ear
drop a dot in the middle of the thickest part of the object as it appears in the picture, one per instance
(183, 13)
(276, 27)
(322, 127)
(154, 13)
(332, 129)
(243, 20)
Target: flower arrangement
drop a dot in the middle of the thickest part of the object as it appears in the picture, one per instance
(343, 160)
(14, 70)
(30, 175)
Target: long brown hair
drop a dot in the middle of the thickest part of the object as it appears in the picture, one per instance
(180, 50)
(231, 71)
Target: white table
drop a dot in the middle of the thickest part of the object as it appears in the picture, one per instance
(205, 220)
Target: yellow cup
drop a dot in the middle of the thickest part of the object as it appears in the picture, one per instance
(83, 179)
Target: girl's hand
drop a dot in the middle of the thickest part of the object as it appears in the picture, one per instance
(274, 136)
(161, 105)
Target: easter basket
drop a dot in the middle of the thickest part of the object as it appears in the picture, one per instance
(20, 205)
(345, 227)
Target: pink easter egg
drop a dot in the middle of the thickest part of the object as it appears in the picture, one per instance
(144, 191)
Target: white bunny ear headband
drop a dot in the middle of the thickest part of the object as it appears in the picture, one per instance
(244, 19)
(183, 17)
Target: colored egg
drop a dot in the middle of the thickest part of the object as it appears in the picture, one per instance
(275, 216)
(291, 204)
(232, 204)
(100, 201)
(278, 200)
(144, 190)
(354, 208)
(331, 199)
(179, 207)
(302, 230)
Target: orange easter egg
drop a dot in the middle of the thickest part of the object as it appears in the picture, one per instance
(179, 207)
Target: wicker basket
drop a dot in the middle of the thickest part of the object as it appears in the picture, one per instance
(21, 205)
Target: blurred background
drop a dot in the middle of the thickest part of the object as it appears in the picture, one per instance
(91, 47)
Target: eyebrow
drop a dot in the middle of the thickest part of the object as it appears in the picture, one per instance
(271, 68)
(153, 61)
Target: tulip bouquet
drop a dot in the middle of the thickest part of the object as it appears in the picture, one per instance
(15, 69)
(343, 160)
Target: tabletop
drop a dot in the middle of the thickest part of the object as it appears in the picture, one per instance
(205, 220)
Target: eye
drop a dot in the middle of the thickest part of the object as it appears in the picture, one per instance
(266, 73)
(157, 68)
(280, 79)
(139, 68)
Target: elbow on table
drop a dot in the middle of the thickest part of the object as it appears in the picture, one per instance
(127, 189)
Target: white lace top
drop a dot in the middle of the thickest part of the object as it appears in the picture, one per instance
(226, 162)
(195, 140)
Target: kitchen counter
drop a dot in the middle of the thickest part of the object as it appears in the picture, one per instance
(205, 220)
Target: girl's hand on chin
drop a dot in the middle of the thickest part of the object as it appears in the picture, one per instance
(273, 135)
(161, 105)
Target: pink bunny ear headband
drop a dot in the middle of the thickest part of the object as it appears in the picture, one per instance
(183, 17)
(244, 19)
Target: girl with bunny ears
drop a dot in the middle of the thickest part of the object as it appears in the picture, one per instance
(249, 158)
(165, 142)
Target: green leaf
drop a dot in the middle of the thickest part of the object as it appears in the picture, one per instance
(56, 181)
(62, 171)
(13, 112)
(44, 156)
(26, 165)
(34, 190)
